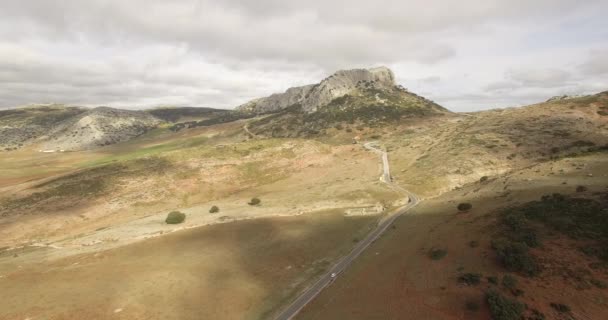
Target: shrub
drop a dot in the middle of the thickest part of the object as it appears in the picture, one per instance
(254, 202)
(214, 209)
(470, 278)
(503, 308)
(560, 307)
(514, 256)
(581, 189)
(464, 206)
(599, 283)
(437, 254)
(483, 179)
(473, 244)
(175, 217)
(493, 280)
(509, 281)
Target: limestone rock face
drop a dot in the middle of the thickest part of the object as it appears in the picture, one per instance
(313, 97)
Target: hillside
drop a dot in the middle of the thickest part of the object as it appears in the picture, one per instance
(19, 127)
(350, 99)
(183, 114)
(68, 216)
(99, 127)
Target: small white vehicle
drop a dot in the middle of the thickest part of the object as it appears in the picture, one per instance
(333, 275)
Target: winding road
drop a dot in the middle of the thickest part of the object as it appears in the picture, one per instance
(331, 274)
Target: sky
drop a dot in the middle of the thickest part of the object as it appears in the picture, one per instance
(466, 55)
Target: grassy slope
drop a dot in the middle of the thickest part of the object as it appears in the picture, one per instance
(395, 278)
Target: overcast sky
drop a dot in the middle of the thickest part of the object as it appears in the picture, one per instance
(466, 55)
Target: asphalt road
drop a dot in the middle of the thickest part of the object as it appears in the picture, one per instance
(312, 291)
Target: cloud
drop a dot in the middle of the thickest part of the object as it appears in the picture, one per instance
(222, 53)
(597, 63)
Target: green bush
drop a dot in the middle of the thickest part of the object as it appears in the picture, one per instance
(493, 280)
(470, 279)
(254, 202)
(464, 206)
(509, 281)
(214, 209)
(437, 254)
(514, 256)
(483, 179)
(175, 217)
(503, 308)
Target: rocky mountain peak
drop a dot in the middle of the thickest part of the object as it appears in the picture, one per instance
(312, 97)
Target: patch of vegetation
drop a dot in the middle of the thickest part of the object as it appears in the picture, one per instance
(493, 280)
(214, 209)
(560, 307)
(175, 217)
(218, 118)
(483, 179)
(503, 308)
(173, 114)
(437, 254)
(579, 218)
(254, 202)
(470, 279)
(514, 256)
(69, 190)
(366, 106)
(465, 206)
(473, 244)
(581, 189)
(509, 282)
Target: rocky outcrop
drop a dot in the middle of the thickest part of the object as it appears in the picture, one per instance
(313, 97)
(99, 127)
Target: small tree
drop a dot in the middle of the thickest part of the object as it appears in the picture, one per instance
(470, 279)
(175, 217)
(509, 281)
(503, 308)
(465, 206)
(214, 209)
(483, 179)
(437, 254)
(254, 202)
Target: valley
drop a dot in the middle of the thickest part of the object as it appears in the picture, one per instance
(83, 230)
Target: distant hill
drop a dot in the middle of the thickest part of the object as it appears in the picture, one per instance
(99, 127)
(181, 114)
(20, 126)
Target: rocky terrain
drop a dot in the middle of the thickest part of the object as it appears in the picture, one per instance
(19, 127)
(98, 127)
(313, 97)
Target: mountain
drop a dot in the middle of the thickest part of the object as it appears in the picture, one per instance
(311, 97)
(99, 127)
(354, 97)
(20, 126)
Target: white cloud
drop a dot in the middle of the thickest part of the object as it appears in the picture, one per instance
(221, 53)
